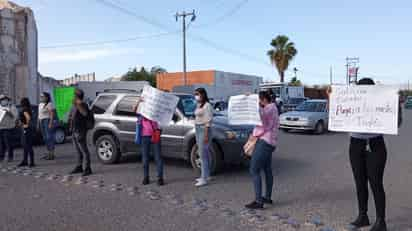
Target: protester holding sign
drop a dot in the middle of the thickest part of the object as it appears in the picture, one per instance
(26, 123)
(368, 156)
(47, 123)
(265, 138)
(8, 119)
(203, 121)
(150, 137)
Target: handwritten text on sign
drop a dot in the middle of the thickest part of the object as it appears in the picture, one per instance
(244, 110)
(157, 105)
(364, 109)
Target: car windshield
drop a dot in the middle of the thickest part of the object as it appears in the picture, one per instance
(311, 107)
(296, 100)
(409, 99)
(187, 105)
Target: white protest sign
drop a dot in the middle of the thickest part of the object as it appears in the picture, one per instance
(364, 109)
(244, 110)
(157, 105)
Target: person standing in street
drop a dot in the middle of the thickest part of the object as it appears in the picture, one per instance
(368, 155)
(150, 138)
(81, 120)
(266, 137)
(26, 123)
(6, 128)
(47, 123)
(203, 122)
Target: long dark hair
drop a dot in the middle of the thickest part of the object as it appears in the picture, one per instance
(265, 95)
(366, 81)
(25, 105)
(48, 98)
(203, 96)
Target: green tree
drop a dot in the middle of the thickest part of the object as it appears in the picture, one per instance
(295, 82)
(282, 54)
(143, 75)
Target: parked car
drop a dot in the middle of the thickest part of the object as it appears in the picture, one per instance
(292, 103)
(114, 132)
(60, 134)
(312, 115)
(408, 102)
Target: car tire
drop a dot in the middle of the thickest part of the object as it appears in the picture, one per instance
(216, 159)
(59, 136)
(319, 128)
(107, 149)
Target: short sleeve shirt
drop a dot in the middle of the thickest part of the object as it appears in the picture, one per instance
(44, 110)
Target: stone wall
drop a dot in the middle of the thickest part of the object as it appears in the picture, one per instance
(18, 52)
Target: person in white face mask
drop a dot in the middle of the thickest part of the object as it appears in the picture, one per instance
(7, 124)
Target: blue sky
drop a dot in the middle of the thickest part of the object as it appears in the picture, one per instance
(325, 33)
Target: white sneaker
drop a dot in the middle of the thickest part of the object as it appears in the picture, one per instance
(201, 183)
(207, 179)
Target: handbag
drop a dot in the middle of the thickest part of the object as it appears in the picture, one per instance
(249, 147)
(138, 137)
(155, 135)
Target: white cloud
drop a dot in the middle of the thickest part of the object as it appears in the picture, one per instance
(67, 55)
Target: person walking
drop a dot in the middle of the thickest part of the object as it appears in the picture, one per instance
(81, 120)
(368, 155)
(26, 123)
(6, 127)
(150, 138)
(47, 124)
(203, 122)
(266, 137)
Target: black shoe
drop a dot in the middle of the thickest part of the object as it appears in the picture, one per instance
(380, 225)
(32, 165)
(76, 170)
(22, 164)
(267, 201)
(87, 172)
(254, 205)
(146, 181)
(160, 182)
(361, 221)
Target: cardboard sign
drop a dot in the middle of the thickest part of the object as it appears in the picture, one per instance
(244, 110)
(364, 109)
(157, 105)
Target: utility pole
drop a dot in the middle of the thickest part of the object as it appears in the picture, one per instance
(352, 64)
(184, 15)
(330, 75)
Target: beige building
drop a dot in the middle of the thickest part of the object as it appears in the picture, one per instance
(73, 80)
(18, 52)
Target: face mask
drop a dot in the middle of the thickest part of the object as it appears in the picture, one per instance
(4, 103)
(197, 98)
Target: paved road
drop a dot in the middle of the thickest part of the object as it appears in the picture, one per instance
(313, 184)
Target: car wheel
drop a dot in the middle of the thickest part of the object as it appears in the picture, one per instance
(107, 149)
(59, 136)
(319, 128)
(216, 158)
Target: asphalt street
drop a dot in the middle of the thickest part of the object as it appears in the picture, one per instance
(314, 190)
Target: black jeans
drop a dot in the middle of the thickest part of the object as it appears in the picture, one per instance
(27, 142)
(6, 144)
(80, 143)
(369, 166)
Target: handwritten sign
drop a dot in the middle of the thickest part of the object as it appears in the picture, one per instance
(364, 109)
(157, 105)
(244, 110)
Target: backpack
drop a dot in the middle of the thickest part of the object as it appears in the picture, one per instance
(90, 119)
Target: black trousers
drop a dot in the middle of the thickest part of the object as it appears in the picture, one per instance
(80, 143)
(27, 142)
(369, 166)
(6, 144)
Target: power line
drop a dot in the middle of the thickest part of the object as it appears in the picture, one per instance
(229, 13)
(83, 44)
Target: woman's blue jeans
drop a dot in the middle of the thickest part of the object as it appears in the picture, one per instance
(262, 161)
(146, 146)
(48, 134)
(203, 151)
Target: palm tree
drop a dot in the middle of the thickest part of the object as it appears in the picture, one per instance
(282, 54)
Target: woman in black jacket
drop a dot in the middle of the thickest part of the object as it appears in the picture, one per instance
(25, 121)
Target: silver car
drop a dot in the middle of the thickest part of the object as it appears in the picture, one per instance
(115, 129)
(311, 115)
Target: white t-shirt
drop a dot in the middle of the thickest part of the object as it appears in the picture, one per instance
(44, 110)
